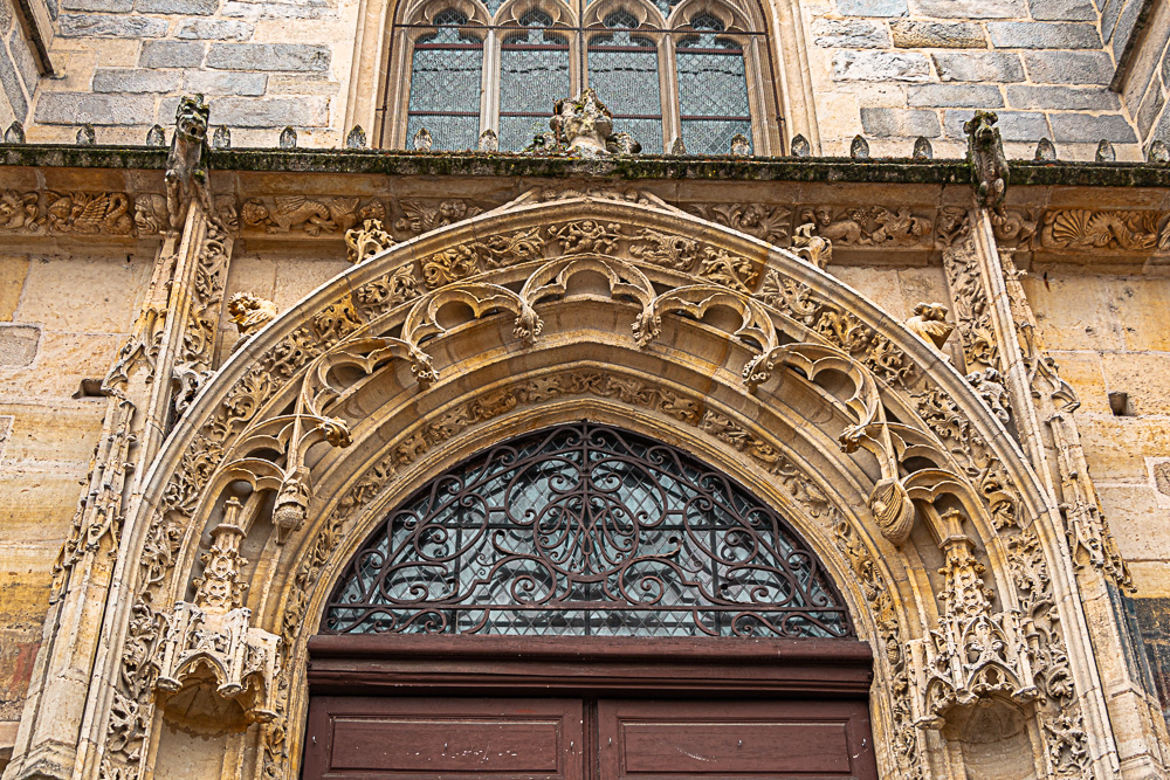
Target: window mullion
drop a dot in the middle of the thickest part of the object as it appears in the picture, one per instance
(668, 89)
(490, 87)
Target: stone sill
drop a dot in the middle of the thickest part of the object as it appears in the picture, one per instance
(809, 169)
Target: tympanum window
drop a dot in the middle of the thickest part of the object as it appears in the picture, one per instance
(696, 69)
(586, 530)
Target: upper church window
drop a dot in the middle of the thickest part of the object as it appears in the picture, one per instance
(691, 69)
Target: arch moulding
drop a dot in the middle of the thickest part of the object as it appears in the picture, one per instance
(617, 308)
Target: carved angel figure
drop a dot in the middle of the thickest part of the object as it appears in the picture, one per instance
(250, 313)
(929, 324)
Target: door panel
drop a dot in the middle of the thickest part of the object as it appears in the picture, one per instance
(504, 739)
(754, 739)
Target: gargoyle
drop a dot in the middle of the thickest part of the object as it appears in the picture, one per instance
(186, 175)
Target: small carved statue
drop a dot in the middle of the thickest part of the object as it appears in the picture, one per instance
(186, 175)
(364, 242)
(929, 324)
(250, 313)
(585, 126)
(811, 247)
(989, 167)
(989, 384)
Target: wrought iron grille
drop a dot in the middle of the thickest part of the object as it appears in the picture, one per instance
(585, 529)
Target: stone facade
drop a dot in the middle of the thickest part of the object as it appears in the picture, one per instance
(148, 306)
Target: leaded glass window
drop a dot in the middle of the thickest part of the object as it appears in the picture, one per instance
(712, 89)
(445, 79)
(585, 529)
(625, 66)
(534, 74)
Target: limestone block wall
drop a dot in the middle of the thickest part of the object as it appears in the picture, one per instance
(18, 68)
(894, 70)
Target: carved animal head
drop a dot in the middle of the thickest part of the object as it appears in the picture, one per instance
(931, 311)
(191, 117)
(981, 130)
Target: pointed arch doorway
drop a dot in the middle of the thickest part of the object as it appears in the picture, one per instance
(584, 602)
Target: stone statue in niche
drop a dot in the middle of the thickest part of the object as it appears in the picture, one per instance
(929, 324)
(186, 175)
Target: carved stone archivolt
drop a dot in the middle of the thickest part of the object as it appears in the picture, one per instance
(612, 306)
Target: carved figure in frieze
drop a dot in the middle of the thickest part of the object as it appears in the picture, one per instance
(366, 241)
(767, 223)
(816, 249)
(867, 225)
(250, 313)
(312, 215)
(1084, 228)
(89, 213)
(989, 384)
(929, 323)
(419, 217)
(989, 167)
(150, 214)
(186, 175)
(19, 211)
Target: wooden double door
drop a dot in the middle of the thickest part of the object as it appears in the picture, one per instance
(578, 709)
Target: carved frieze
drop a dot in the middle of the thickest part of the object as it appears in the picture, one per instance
(310, 215)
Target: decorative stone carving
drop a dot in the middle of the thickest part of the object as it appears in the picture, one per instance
(422, 217)
(89, 213)
(767, 223)
(989, 167)
(722, 267)
(808, 245)
(489, 141)
(311, 215)
(1087, 229)
(250, 313)
(422, 140)
(586, 236)
(868, 225)
(989, 384)
(584, 126)
(186, 175)
(929, 323)
(368, 240)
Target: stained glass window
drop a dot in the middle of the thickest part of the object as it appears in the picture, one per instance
(445, 81)
(625, 67)
(534, 74)
(585, 529)
(712, 89)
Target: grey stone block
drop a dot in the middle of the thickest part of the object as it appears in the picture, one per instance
(135, 80)
(11, 84)
(1086, 128)
(111, 6)
(1013, 125)
(1125, 26)
(190, 7)
(1110, 13)
(937, 35)
(1090, 98)
(1151, 105)
(109, 26)
(301, 111)
(225, 83)
(5, 16)
(1044, 35)
(279, 9)
(969, 9)
(954, 95)
(75, 108)
(871, 7)
(881, 66)
(216, 29)
(850, 34)
(1069, 67)
(1063, 10)
(171, 54)
(899, 123)
(269, 57)
(990, 66)
(22, 55)
(18, 345)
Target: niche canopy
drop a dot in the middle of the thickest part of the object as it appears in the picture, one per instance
(584, 529)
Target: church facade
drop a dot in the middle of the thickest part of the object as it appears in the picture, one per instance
(599, 389)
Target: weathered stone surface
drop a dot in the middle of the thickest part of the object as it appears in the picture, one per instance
(1043, 35)
(978, 66)
(10, 81)
(850, 34)
(954, 95)
(278, 9)
(900, 123)
(215, 29)
(201, 7)
(269, 57)
(74, 108)
(880, 66)
(1013, 125)
(109, 26)
(871, 7)
(22, 55)
(18, 344)
(272, 112)
(135, 80)
(1087, 128)
(1063, 10)
(110, 6)
(969, 9)
(937, 35)
(1069, 67)
(225, 83)
(1094, 98)
(171, 54)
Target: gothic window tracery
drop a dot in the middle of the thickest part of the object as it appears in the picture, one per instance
(698, 70)
(585, 529)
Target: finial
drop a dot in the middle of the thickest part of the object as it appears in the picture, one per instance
(1158, 153)
(1045, 151)
(740, 146)
(922, 149)
(86, 136)
(288, 138)
(422, 140)
(489, 141)
(356, 138)
(859, 149)
(677, 147)
(14, 134)
(1105, 152)
(156, 136)
(800, 146)
(221, 138)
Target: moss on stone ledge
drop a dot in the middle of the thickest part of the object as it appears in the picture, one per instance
(822, 169)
